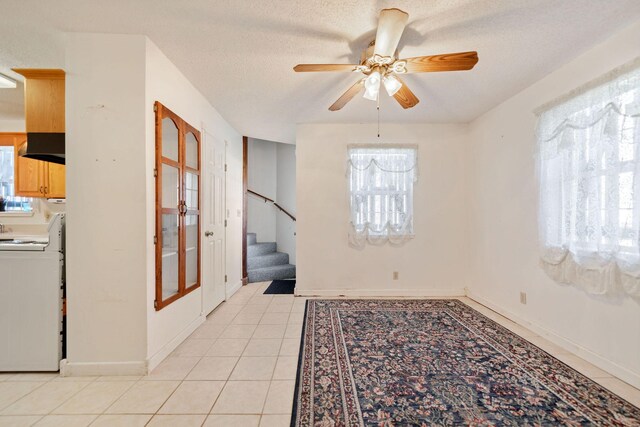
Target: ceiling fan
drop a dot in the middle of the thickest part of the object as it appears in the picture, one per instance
(380, 64)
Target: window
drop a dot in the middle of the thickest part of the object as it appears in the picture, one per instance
(589, 170)
(381, 183)
(11, 202)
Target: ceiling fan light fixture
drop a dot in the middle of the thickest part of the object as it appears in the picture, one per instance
(372, 86)
(391, 85)
(371, 94)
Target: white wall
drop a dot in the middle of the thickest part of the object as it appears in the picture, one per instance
(112, 83)
(286, 197)
(12, 125)
(106, 203)
(430, 264)
(165, 83)
(262, 165)
(12, 108)
(502, 210)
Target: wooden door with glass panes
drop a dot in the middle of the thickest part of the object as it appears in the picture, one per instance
(177, 236)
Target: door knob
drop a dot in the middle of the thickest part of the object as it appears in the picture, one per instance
(208, 233)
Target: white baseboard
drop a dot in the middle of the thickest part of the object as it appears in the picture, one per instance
(233, 289)
(90, 369)
(416, 293)
(166, 350)
(613, 368)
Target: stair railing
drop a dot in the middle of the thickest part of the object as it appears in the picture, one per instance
(266, 199)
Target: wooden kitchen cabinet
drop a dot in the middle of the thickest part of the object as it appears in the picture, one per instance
(34, 178)
(44, 114)
(55, 183)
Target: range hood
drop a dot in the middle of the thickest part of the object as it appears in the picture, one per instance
(44, 93)
(48, 147)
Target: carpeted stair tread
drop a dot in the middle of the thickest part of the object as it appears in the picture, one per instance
(264, 263)
(286, 271)
(261, 248)
(267, 260)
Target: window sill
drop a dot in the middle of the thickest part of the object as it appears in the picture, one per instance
(11, 214)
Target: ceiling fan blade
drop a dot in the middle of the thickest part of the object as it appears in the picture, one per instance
(445, 62)
(404, 96)
(347, 96)
(300, 68)
(390, 27)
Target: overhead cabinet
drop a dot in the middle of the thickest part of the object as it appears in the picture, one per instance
(44, 91)
(35, 178)
(177, 207)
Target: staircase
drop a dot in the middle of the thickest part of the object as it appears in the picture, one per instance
(264, 263)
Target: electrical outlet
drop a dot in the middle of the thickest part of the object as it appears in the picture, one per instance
(523, 297)
(395, 275)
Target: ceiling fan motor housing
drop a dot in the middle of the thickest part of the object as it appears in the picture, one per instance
(383, 64)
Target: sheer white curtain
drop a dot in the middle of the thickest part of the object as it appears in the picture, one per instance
(589, 170)
(381, 180)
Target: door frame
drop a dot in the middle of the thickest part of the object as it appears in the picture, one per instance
(245, 181)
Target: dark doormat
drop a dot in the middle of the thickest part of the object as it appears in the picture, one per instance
(281, 287)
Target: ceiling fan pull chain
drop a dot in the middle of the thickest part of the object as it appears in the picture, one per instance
(378, 107)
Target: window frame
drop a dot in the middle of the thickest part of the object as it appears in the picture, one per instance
(8, 139)
(384, 192)
(588, 172)
(183, 128)
(607, 179)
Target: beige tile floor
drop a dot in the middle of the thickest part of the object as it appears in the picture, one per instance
(238, 369)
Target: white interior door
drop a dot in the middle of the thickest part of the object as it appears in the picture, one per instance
(213, 228)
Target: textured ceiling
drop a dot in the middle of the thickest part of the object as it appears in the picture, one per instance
(239, 53)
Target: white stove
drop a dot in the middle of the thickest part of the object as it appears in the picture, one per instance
(31, 295)
(24, 244)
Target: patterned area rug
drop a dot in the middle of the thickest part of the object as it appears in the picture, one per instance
(436, 363)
